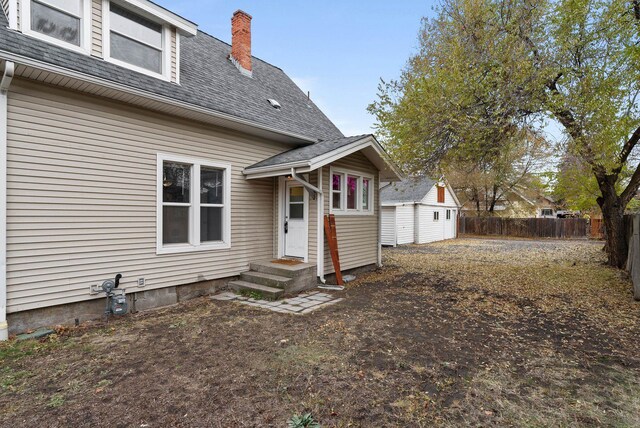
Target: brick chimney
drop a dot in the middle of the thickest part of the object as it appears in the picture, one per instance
(241, 41)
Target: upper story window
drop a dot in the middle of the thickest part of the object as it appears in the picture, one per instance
(135, 40)
(62, 22)
(440, 194)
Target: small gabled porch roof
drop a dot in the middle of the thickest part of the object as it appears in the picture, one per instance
(309, 158)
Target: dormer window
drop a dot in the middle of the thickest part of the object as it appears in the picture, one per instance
(62, 22)
(137, 42)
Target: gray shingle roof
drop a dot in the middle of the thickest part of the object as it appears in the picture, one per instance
(305, 153)
(207, 79)
(412, 189)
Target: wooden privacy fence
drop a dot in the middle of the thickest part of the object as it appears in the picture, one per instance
(561, 228)
(632, 229)
(597, 228)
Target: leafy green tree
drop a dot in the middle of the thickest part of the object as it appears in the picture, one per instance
(489, 68)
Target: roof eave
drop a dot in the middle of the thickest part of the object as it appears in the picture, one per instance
(389, 170)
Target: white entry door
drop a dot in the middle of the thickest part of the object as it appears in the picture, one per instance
(295, 226)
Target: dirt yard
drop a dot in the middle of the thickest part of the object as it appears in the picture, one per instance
(462, 333)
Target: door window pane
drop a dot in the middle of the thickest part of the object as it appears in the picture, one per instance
(365, 194)
(175, 225)
(352, 189)
(296, 194)
(211, 224)
(55, 23)
(211, 186)
(176, 182)
(296, 211)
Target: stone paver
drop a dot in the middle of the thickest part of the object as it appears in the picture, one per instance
(298, 305)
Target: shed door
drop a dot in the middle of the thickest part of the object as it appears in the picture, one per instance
(450, 223)
(388, 226)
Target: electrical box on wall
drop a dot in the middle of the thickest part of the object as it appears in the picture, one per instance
(140, 282)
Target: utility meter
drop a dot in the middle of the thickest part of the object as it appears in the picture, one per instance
(116, 298)
(119, 304)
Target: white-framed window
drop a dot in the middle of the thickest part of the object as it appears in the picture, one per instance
(65, 23)
(351, 193)
(436, 215)
(547, 212)
(135, 41)
(448, 215)
(194, 205)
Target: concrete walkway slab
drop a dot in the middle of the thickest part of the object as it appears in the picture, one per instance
(298, 305)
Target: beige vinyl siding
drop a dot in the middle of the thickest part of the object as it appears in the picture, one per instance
(96, 28)
(173, 47)
(81, 191)
(357, 234)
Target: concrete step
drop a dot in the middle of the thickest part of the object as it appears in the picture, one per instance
(268, 279)
(289, 271)
(266, 291)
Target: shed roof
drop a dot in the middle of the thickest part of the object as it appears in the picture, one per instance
(409, 190)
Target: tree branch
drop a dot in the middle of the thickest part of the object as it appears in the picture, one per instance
(627, 149)
(632, 188)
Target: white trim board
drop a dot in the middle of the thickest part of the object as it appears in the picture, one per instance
(151, 9)
(7, 76)
(283, 186)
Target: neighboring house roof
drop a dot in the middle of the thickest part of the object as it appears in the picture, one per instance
(309, 158)
(207, 80)
(410, 190)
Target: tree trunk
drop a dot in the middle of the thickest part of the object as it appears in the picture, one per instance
(613, 219)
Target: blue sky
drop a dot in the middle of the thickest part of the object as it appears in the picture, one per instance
(337, 50)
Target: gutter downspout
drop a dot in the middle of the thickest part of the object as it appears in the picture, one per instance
(310, 187)
(7, 76)
(320, 234)
(320, 208)
(379, 222)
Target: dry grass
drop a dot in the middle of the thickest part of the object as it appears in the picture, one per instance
(460, 333)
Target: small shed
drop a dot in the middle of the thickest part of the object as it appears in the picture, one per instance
(418, 210)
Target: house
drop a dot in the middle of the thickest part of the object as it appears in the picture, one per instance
(515, 203)
(133, 143)
(418, 210)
